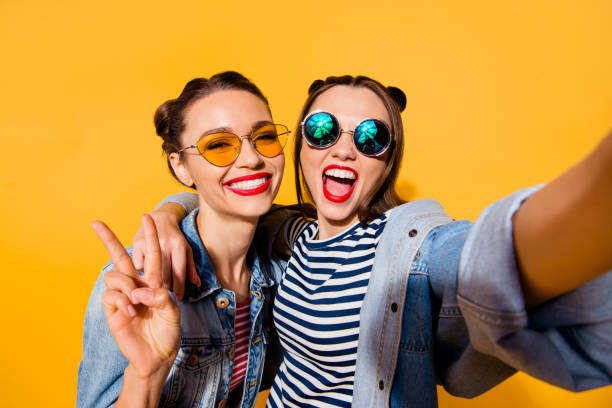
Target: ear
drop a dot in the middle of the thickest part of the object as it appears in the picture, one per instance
(180, 170)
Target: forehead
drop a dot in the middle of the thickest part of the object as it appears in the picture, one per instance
(351, 104)
(233, 109)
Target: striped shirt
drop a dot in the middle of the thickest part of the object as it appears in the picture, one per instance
(316, 313)
(242, 329)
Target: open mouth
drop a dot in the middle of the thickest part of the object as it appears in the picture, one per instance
(249, 185)
(338, 182)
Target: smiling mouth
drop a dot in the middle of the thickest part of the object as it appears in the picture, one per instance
(338, 183)
(249, 185)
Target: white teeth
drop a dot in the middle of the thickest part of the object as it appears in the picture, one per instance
(347, 174)
(248, 184)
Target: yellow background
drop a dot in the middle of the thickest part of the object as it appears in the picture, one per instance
(500, 96)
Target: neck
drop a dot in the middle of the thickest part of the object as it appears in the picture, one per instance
(329, 228)
(227, 239)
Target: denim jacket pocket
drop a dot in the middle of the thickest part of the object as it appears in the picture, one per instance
(195, 375)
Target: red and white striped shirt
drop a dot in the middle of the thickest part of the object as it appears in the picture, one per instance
(242, 329)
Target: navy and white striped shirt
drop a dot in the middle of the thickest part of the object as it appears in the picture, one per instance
(316, 313)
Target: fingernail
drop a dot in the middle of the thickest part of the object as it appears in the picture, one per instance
(142, 294)
(131, 310)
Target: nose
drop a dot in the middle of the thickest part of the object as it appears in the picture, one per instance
(248, 156)
(344, 148)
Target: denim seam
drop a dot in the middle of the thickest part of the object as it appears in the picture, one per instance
(496, 318)
(450, 311)
(208, 361)
(205, 341)
(432, 220)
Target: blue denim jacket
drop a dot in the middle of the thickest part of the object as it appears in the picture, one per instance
(202, 370)
(444, 305)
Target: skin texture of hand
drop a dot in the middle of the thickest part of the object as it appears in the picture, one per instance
(141, 315)
(176, 255)
(563, 233)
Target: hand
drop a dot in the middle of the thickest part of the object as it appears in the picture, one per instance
(142, 317)
(176, 255)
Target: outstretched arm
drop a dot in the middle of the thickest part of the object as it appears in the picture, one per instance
(563, 232)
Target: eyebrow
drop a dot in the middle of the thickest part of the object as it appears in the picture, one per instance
(226, 129)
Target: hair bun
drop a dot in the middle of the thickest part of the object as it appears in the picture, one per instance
(318, 83)
(399, 96)
(161, 119)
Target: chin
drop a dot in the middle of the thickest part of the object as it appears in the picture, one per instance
(255, 208)
(336, 213)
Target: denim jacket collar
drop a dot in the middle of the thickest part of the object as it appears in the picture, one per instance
(204, 265)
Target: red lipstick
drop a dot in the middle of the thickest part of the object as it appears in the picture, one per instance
(335, 197)
(249, 191)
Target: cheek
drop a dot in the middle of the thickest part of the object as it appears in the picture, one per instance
(374, 172)
(308, 161)
(204, 175)
(279, 162)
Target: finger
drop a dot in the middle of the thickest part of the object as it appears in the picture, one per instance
(166, 271)
(159, 298)
(118, 254)
(114, 300)
(139, 248)
(178, 273)
(191, 269)
(120, 282)
(152, 262)
(137, 256)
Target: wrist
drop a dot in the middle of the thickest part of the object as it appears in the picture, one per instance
(149, 378)
(142, 390)
(173, 211)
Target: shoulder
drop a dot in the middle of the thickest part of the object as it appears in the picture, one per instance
(425, 216)
(440, 250)
(416, 208)
(444, 243)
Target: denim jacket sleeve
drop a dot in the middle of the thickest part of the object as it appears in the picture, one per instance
(101, 369)
(189, 201)
(567, 341)
(460, 368)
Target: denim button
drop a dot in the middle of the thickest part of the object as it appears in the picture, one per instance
(222, 302)
(221, 403)
(192, 360)
(381, 384)
(231, 353)
(418, 255)
(412, 233)
(394, 307)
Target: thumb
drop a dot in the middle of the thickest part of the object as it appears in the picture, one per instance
(159, 299)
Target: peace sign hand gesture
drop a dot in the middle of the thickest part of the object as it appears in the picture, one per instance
(141, 315)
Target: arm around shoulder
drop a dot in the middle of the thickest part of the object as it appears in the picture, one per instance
(189, 201)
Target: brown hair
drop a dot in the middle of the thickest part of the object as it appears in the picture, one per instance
(169, 117)
(384, 196)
